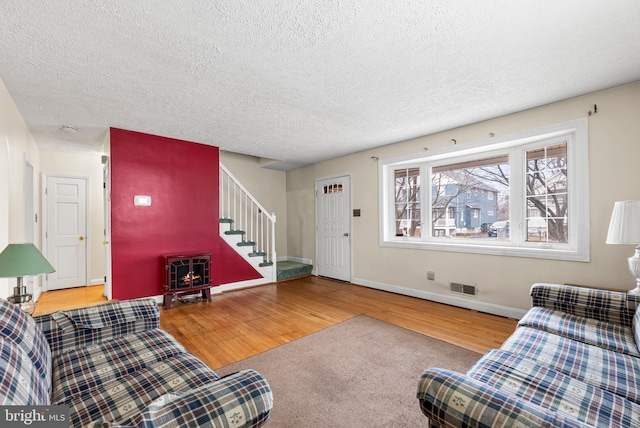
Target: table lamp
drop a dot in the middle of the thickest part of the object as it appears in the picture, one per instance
(624, 228)
(20, 260)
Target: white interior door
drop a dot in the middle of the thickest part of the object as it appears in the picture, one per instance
(333, 227)
(66, 231)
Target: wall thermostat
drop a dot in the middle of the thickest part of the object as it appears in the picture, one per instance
(142, 200)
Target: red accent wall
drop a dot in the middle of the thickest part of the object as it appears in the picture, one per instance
(182, 179)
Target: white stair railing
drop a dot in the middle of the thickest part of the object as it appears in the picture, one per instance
(244, 213)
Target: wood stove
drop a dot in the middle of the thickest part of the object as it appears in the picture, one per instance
(186, 274)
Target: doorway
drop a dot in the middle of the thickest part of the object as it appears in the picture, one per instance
(333, 227)
(106, 195)
(65, 230)
(29, 219)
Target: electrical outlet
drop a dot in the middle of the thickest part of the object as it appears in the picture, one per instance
(431, 275)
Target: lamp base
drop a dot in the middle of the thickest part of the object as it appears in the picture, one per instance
(21, 298)
(634, 267)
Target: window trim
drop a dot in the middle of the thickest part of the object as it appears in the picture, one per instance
(574, 132)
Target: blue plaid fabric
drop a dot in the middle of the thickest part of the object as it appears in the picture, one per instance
(20, 381)
(636, 328)
(573, 360)
(92, 325)
(113, 366)
(601, 305)
(615, 337)
(615, 372)
(451, 399)
(552, 390)
(18, 329)
(81, 370)
(240, 399)
(122, 400)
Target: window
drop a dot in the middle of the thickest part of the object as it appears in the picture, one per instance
(531, 187)
(407, 202)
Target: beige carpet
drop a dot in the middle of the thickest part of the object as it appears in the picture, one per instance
(359, 373)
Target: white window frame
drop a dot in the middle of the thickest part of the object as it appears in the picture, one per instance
(574, 132)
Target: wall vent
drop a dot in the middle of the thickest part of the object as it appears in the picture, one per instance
(457, 287)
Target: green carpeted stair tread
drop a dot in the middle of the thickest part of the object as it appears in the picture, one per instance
(234, 232)
(288, 269)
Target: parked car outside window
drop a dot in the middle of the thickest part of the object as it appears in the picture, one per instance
(499, 227)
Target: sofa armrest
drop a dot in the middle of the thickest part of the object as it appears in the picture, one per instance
(603, 305)
(242, 399)
(94, 324)
(451, 399)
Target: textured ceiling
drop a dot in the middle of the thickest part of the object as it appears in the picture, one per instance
(301, 82)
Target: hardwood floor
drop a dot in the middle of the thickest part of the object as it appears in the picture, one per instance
(242, 323)
(69, 298)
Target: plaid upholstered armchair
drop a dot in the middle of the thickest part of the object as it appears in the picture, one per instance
(573, 361)
(113, 366)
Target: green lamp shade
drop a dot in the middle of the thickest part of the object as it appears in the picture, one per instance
(22, 260)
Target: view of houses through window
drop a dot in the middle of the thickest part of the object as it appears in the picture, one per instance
(470, 199)
(524, 195)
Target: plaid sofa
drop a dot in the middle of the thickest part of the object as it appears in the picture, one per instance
(112, 365)
(573, 361)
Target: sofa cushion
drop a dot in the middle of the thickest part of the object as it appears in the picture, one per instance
(614, 337)
(603, 305)
(121, 400)
(88, 326)
(20, 330)
(95, 317)
(555, 391)
(617, 373)
(79, 371)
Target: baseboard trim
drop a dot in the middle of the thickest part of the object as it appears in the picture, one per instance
(225, 287)
(490, 308)
(238, 285)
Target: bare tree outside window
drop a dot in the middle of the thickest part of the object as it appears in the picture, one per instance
(407, 202)
(547, 201)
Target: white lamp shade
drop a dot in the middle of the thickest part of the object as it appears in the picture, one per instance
(624, 227)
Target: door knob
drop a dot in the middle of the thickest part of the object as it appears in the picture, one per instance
(346, 234)
(81, 238)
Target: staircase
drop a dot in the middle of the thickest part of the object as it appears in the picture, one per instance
(246, 226)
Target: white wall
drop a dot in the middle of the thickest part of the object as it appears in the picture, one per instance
(614, 150)
(4, 207)
(267, 186)
(16, 146)
(84, 165)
